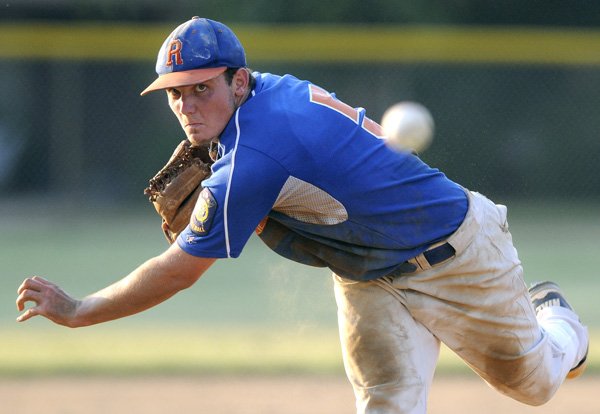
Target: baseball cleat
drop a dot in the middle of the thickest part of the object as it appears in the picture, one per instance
(546, 294)
(579, 368)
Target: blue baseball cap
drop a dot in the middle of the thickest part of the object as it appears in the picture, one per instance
(196, 51)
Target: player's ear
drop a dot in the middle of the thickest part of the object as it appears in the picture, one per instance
(240, 82)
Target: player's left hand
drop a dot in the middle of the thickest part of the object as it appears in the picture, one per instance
(50, 301)
(174, 190)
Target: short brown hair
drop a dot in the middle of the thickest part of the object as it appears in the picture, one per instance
(230, 72)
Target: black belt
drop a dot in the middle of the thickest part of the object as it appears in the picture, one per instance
(434, 256)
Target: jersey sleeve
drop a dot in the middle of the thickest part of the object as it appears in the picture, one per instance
(239, 194)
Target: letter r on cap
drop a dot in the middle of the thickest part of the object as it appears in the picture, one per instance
(174, 51)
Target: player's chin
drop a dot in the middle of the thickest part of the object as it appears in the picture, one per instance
(198, 139)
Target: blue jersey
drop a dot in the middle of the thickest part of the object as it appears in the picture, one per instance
(335, 195)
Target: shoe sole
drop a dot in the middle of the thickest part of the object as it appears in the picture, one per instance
(543, 287)
(579, 369)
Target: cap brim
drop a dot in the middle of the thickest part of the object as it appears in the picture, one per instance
(188, 77)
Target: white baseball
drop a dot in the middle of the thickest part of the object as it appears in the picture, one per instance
(408, 126)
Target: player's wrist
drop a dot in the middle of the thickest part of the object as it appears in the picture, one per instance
(81, 313)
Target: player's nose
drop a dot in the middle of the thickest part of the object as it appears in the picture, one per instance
(187, 104)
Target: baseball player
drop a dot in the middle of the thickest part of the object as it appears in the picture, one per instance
(416, 258)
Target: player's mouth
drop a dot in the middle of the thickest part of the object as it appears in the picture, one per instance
(197, 133)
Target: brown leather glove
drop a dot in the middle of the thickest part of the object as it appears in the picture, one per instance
(175, 188)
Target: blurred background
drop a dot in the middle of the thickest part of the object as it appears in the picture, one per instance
(513, 86)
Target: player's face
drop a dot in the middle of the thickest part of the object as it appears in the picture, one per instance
(203, 110)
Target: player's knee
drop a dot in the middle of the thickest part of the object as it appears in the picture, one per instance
(531, 391)
(525, 379)
(539, 397)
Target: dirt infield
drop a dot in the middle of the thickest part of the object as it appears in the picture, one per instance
(261, 395)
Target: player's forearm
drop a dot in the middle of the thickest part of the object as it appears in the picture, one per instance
(150, 284)
(144, 288)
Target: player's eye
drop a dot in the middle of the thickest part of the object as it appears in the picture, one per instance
(173, 93)
(200, 87)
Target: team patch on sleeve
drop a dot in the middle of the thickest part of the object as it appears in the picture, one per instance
(202, 217)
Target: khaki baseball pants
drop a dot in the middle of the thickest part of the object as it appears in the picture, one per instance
(476, 303)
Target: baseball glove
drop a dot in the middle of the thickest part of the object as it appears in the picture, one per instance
(175, 188)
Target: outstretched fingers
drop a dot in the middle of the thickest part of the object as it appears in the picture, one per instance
(48, 299)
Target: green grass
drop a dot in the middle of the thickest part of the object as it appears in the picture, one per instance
(258, 313)
(189, 351)
(168, 351)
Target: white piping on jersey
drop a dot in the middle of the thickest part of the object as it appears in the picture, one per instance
(307, 203)
(311, 95)
(226, 204)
